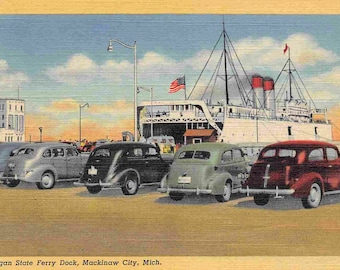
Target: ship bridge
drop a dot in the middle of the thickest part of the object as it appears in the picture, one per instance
(193, 114)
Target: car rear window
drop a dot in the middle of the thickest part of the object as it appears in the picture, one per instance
(194, 154)
(280, 152)
(103, 152)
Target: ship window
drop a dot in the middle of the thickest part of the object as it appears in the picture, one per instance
(332, 154)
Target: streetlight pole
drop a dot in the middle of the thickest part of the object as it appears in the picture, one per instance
(40, 129)
(134, 47)
(151, 103)
(80, 107)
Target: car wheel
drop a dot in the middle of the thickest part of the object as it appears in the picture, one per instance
(94, 189)
(226, 193)
(176, 196)
(47, 181)
(12, 183)
(130, 184)
(314, 198)
(261, 199)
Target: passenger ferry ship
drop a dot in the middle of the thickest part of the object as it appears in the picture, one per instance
(266, 112)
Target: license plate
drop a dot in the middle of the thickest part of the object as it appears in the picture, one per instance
(92, 171)
(184, 180)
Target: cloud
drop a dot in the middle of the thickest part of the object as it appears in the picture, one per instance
(9, 78)
(267, 53)
(60, 120)
(3, 65)
(78, 69)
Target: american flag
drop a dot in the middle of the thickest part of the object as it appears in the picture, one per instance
(177, 84)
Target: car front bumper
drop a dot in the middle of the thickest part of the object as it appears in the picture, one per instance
(277, 192)
(185, 190)
(101, 184)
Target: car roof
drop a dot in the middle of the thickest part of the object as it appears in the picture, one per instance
(47, 144)
(124, 144)
(302, 143)
(209, 146)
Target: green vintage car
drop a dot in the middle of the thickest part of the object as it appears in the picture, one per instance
(218, 169)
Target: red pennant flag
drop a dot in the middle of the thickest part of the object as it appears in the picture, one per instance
(285, 49)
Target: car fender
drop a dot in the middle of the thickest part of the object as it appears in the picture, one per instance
(164, 181)
(216, 184)
(37, 172)
(117, 177)
(303, 185)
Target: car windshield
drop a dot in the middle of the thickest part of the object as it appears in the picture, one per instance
(194, 154)
(25, 151)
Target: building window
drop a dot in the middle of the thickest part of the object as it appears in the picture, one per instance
(10, 121)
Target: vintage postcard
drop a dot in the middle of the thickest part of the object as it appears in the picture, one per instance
(175, 135)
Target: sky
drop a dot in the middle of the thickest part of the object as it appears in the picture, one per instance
(58, 62)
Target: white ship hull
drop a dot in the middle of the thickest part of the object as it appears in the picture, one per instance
(268, 131)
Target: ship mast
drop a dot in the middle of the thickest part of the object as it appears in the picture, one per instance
(290, 76)
(225, 64)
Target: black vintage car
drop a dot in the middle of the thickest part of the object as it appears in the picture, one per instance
(125, 164)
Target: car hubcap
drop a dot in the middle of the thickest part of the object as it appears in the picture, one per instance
(314, 194)
(46, 180)
(131, 185)
(226, 193)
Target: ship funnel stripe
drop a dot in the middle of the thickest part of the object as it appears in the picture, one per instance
(257, 81)
(268, 84)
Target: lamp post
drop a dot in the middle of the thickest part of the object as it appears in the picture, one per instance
(80, 107)
(40, 129)
(151, 103)
(134, 47)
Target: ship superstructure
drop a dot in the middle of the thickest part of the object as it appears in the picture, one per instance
(264, 112)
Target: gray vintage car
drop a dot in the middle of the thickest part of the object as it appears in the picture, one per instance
(44, 164)
(206, 168)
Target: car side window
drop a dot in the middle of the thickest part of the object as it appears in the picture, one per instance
(227, 157)
(47, 153)
(237, 155)
(316, 155)
(151, 152)
(69, 152)
(58, 152)
(268, 153)
(134, 153)
(331, 153)
(186, 155)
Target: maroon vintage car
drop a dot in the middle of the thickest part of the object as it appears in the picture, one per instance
(303, 169)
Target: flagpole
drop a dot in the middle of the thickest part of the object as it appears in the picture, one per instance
(185, 89)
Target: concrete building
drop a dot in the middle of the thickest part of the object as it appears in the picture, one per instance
(12, 120)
